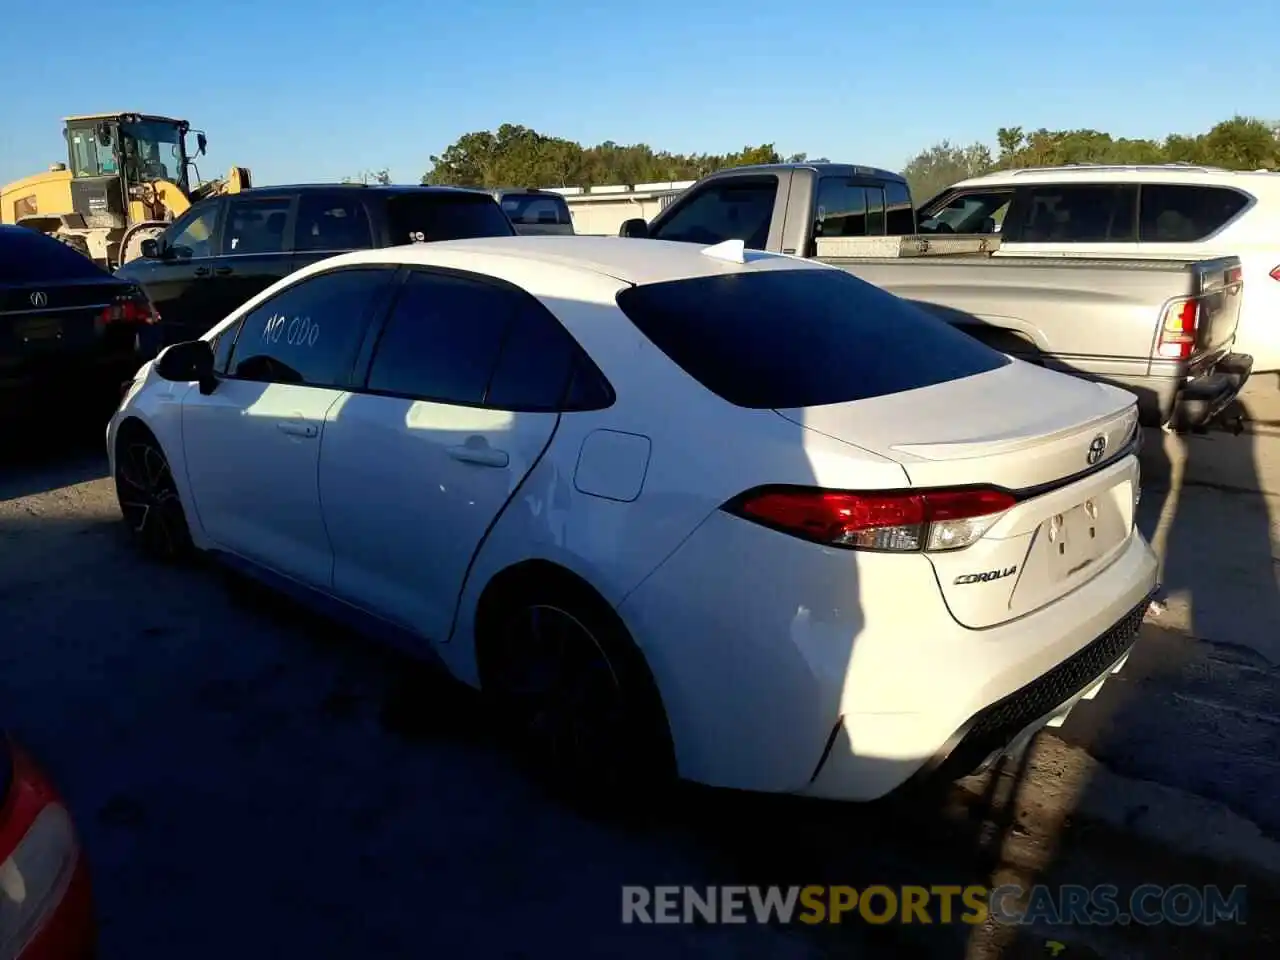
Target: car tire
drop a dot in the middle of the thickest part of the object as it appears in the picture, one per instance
(148, 497)
(574, 697)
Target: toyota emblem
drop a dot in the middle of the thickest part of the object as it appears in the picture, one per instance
(39, 299)
(1097, 447)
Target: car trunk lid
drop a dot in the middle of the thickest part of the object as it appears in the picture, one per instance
(39, 321)
(1057, 443)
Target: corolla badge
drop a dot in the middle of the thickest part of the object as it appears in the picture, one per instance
(1097, 447)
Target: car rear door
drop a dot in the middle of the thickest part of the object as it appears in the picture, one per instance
(253, 444)
(330, 223)
(460, 400)
(254, 251)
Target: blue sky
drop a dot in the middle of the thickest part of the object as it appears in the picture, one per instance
(299, 90)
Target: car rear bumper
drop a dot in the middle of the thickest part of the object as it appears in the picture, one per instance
(843, 675)
(1207, 397)
(65, 382)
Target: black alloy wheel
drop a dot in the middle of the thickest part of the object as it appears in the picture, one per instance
(149, 499)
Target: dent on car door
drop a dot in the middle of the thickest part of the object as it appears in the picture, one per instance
(460, 401)
(253, 444)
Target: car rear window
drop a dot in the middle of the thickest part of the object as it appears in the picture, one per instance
(1185, 213)
(30, 257)
(801, 338)
(425, 217)
(536, 208)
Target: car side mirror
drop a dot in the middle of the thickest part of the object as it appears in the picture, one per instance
(151, 248)
(635, 229)
(202, 144)
(185, 362)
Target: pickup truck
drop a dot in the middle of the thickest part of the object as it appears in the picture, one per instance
(1160, 328)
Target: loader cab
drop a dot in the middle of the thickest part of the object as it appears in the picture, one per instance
(111, 155)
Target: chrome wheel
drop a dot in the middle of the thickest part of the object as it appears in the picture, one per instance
(149, 499)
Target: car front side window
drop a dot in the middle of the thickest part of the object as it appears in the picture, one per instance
(192, 237)
(310, 333)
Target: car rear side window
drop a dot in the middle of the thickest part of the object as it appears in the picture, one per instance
(800, 337)
(1181, 213)
(425, 217)
(332, 222)
(27, 256)
(310, 333)
(256, 225)
(1077, 213)
(737, 209)
(464, 340)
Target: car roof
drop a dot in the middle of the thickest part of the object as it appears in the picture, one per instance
(379, 188)
(821, 167)
(1252, 180)
(631, 261)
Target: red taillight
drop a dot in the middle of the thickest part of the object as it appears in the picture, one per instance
(1275, 272)
(129, 310)
(907, 521)
(1178, 330)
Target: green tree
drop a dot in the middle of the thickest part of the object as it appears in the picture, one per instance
(931, 171)
(515, 155)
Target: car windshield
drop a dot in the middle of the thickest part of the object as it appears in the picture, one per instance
(801, 337)
(153, 151)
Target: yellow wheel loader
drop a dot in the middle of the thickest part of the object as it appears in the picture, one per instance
(127, 177)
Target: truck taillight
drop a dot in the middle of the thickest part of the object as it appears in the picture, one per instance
(901, 522)
(1178, 330)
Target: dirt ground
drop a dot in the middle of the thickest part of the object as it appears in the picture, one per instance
(252, 782)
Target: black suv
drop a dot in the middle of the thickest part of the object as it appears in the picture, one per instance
(226, 249)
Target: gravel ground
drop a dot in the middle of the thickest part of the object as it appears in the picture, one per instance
(251, 782)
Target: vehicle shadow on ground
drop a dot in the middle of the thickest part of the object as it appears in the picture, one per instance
(1195, 708)
(47, 451)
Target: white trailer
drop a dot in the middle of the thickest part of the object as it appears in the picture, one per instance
(601, 210)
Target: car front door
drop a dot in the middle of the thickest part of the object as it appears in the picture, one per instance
(253, 444)
(460, 400)
(254, 250)
(176, 282)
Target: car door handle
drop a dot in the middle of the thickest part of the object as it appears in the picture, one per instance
(221, 271)
(202, 271)
(480, 456)
(295, 429)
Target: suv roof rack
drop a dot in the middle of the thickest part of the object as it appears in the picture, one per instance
(1144, 167)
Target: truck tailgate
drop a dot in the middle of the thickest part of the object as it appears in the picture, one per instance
(1219, 285)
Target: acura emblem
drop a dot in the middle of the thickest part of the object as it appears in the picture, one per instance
(1097, 447)
(39, 299)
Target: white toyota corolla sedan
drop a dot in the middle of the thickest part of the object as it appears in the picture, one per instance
(726, 515)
